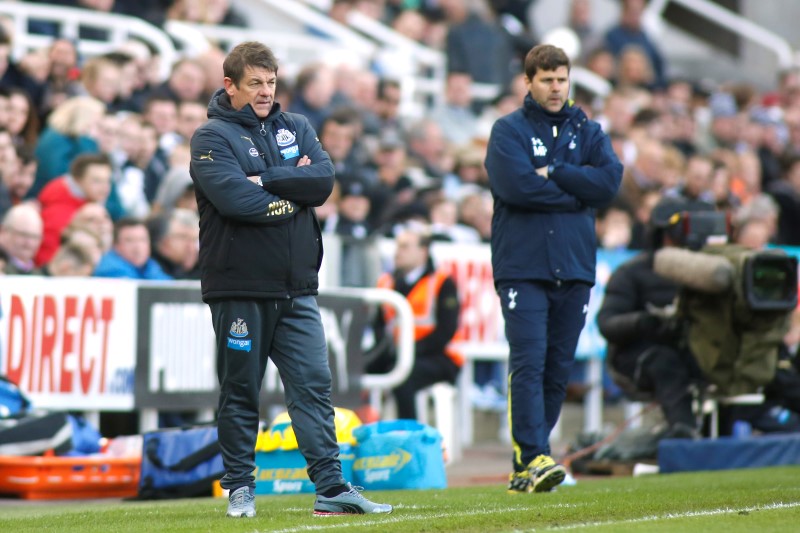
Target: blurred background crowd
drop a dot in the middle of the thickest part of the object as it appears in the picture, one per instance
(94, 150)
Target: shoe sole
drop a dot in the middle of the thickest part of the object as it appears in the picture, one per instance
(330, 513)
(240, 515)
(333, 513)
(549, 479)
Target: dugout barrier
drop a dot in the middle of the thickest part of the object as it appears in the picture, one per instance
(93, 344)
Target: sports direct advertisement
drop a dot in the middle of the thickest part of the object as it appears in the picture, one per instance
(69, 342)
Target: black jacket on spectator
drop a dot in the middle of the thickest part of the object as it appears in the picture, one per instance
(623, 318)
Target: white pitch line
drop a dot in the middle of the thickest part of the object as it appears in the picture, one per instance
(671, 516)
(403, 518)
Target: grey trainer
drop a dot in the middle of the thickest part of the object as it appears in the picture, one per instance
(242, 503)
(350, 502)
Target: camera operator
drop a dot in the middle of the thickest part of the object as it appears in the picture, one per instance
(644, 353)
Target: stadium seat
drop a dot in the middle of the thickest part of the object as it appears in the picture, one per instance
(445, 405)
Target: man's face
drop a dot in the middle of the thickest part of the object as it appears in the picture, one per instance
(162, 114)
(257, 88)
(20, 182)
(191, 115)
(133, 245)
(550, 88)
(337, 139)
(96, 183)
(22, 237)
(188, 81)
(409, 254)
(181, 245)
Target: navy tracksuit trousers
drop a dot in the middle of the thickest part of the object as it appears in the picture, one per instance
(543, 322)
(290, 333)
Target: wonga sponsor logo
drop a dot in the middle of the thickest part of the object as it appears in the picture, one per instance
(239, 330)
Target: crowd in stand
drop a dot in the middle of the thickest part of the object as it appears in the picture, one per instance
(94, 150)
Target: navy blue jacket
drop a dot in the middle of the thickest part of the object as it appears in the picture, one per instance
(258, 242)
(544, 228)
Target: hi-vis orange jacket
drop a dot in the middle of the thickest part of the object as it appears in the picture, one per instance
(423, 299)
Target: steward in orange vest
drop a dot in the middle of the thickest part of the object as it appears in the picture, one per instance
(434, 302)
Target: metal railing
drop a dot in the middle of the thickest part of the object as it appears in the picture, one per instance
(68, 22)
(733, 22)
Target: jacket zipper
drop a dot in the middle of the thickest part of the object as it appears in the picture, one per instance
(263, 133)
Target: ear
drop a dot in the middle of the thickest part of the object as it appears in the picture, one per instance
(230, 86)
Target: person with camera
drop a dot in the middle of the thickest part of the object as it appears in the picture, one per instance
(636, 318)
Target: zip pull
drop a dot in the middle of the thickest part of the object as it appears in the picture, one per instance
(555, 131)
(263, 130)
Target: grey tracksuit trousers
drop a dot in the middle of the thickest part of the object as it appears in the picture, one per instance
(289, 331)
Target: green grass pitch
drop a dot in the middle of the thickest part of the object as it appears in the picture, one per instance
(751, 501)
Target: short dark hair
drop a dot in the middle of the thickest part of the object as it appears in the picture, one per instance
(127, 222)
(545, 57)
(79, 165)
(248, 54)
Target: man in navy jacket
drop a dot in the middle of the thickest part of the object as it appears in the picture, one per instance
(258, 173)
(550, 168)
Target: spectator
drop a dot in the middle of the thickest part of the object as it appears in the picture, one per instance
(129, 175)
(137, 69)
(130, 254)
(387, 106)
(152, 160)
(393, 188)
(62, 79)
(176, 243)
(23, 121)
(172, 190)
(445, 225)
(428, 149)
(580, 21)
(70, 132)
(434, 301)
(17, 179)
(786, 193)
(614, 225)
(70, 260)
(338, 134)
(634, 69)
(100, 78)
(191, 115)
(95, 217)
(84, 238)
(162, 112)
(11, 75)
(89, 180)
(629, 31)
(214, 12)
(477, 46)
(697, 181)
(187, 81)
(313, 93)
(456, 116)
(20, 236)
(351, 213)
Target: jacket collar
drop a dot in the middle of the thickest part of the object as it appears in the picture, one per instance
(535, 111)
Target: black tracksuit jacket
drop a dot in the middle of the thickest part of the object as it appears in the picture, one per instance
(258, 242)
